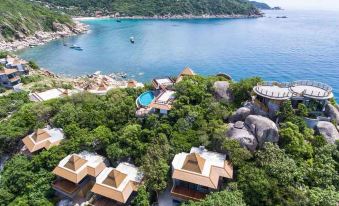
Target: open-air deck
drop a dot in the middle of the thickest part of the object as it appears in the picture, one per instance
(162, 83)
(65, 187)
(285, 91)
(273, 90)
(164, 100)
(186, 194)
(311, 89)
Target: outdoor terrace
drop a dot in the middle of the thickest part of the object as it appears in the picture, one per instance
(164, 100)
(273, 90)
(311, 89)
(285, 91)
(162, 83)
(186, 194)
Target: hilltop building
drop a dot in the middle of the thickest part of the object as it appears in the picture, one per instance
(43, 138)
(270, 95)
(198, 173)
(184, 73)
(118, 184)
(9, 78)
(50, 94)
(160, 100)
(76, 174)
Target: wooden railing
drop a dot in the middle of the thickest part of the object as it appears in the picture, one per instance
(186, 194)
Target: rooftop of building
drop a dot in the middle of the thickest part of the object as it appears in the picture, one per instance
(201, 167)
(7, 71)
(51, 94)
(43, 138)
(199, 160)
(77, 162)
(118, 178)
(52, 135)
(185, 72)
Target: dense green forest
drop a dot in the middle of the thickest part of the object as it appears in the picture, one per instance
(156, 7)
(260, 5)
(302, 169)
(19, 18)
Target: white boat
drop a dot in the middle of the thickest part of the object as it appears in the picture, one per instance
(132, 39)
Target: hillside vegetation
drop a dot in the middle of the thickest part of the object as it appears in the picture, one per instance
(19, 18)
(156, 7)
(299, 170)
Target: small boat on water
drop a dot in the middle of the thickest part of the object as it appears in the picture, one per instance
(282, 17)
(118, 20)
(75, 47)
(33, 45)
(131, 39)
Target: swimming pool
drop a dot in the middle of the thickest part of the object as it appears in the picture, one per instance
(146, 98)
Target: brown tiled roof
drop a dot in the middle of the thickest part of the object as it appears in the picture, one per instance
(187, 72)
(102, 87)
(114, 178)
(64, 92)
(131, 83)
(8, 71)
(75, 162)
(194, 163)
(40, 135)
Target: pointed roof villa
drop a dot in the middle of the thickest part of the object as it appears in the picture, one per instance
(118, 183)
(43, 138)
(201, 167)
(75, 167)
(185, 72)
(194, 162)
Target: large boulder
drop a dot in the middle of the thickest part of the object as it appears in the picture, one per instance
(222, 91)
(240, 114)
(264, 129)
(239, 132)
(328, 130)
(332, 112)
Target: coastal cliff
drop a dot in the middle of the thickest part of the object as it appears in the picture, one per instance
(23, 24)
(152, 8)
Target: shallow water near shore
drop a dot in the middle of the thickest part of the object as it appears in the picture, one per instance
(303, 46)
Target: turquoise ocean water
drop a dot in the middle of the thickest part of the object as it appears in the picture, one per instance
(303, 46)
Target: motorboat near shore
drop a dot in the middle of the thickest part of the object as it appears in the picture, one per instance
(75, 47)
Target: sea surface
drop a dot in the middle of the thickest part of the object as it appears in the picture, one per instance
(304, 46)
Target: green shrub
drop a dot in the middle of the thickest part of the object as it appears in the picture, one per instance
(33, 65)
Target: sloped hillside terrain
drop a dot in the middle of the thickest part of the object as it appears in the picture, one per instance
(19, 18)
(156, 7)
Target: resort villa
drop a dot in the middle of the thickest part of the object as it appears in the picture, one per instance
(10, 70)
(198, 173)
(76, 174)
(50, 94)
(43, 138)
(18, 64)
(161, 99)
(9, 78)
(117, 184)
(270, 95)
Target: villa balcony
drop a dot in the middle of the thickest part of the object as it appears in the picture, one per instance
(184, 193)
(66, 187)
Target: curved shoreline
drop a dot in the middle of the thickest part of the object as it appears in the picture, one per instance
(179, 17)
(41, 37)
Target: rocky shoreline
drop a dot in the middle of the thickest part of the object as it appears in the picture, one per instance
(188, 16)
(41, 37)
